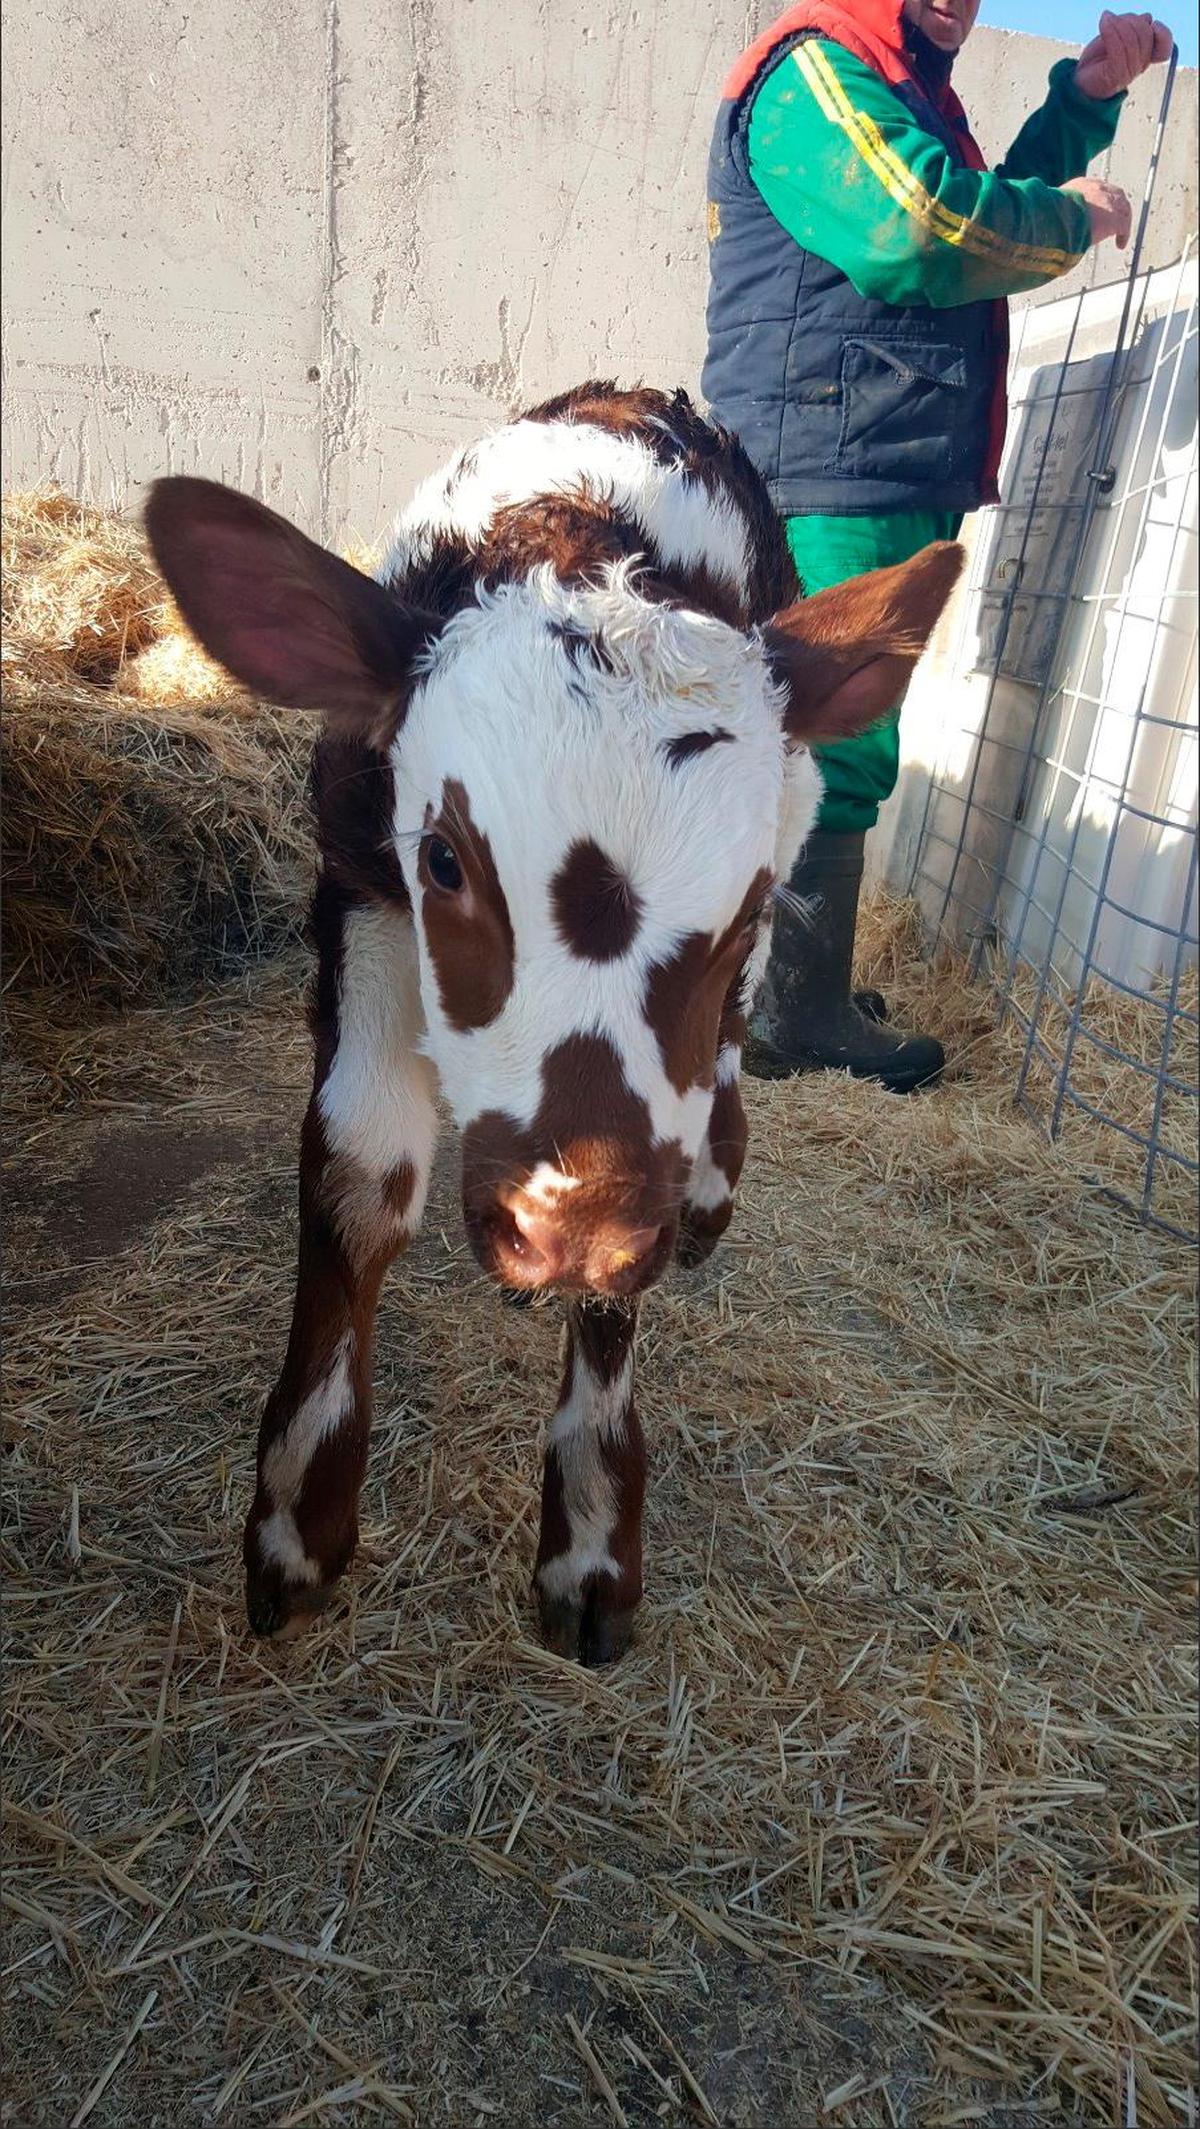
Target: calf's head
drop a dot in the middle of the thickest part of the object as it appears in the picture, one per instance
(592, 794)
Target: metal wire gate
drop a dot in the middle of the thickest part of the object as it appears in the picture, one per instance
(1058, 839)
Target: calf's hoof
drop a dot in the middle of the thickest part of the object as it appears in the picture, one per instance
(699, 1234)
(282, 1611)
(588, 1629)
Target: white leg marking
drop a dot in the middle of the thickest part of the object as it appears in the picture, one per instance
(278, 1542)
(286, 1462)
(729, 1059)
(708, 1185)
(594, 1413)
(377, 1101)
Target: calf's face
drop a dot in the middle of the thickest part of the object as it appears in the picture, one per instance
(587, 790)
(587, 796)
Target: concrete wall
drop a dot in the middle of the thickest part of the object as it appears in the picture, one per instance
(310, 248)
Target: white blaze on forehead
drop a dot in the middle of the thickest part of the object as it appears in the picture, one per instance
(689, 524)
(556, 748)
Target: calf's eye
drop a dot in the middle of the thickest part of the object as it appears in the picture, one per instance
(442, 866)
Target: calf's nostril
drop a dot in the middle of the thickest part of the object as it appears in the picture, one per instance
(521, 1236)
(632, 1248)
(621, 1262)
(535, 1231)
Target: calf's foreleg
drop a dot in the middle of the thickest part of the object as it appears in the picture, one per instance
(717, 1168)
(588, 1576)
(365, 1154)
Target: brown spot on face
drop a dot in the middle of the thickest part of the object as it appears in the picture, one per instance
(469, 932)
(692, 743)
(685, 994)
(595, 908)
(589, 1126)
(678, 993)
(727, 1131)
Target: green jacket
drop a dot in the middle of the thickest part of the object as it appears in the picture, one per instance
(844, 167)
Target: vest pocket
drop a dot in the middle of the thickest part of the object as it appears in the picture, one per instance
(906, 412)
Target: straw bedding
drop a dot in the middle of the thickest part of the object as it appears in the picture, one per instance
(887, 1818)
(154, 816)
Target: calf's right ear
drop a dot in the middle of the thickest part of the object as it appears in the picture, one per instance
(288, 619)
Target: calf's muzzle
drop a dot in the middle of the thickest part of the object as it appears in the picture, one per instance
(593, 1248)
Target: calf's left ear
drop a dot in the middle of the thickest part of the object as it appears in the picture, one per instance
(845, 656)
(288, 619)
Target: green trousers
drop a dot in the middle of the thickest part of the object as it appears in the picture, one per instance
(860, 773)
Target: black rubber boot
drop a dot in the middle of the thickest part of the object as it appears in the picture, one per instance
(807, 1019)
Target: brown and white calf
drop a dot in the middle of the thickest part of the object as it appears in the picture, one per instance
(564, 769)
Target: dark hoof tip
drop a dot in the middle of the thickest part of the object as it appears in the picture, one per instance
(604, 1638)
(560, 1625)
(277, 1613)
(585, 1632)
(266, 1612)
(692, 1250)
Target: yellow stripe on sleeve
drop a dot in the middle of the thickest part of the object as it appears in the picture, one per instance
(903, 185)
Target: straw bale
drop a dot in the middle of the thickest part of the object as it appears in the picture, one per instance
(888, 1818)
(155, 823)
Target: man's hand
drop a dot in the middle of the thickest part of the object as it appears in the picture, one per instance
(1108, 208)
(1123, 47)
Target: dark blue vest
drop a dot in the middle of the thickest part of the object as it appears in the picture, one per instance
(847, 406)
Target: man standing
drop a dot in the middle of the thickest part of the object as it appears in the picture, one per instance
(861, 254)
